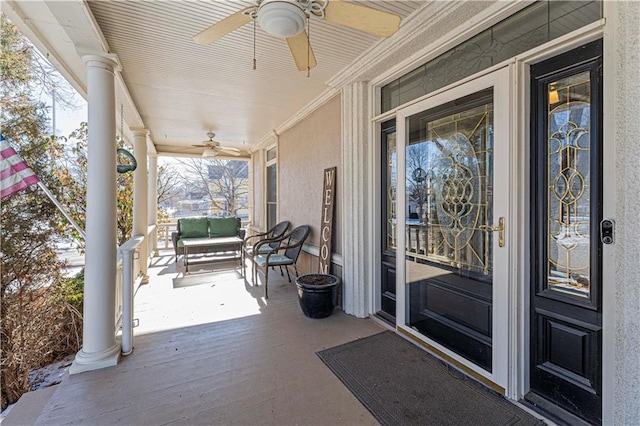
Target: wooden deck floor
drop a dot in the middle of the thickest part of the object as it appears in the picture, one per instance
(213, 351)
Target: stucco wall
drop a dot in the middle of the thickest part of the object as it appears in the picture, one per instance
(304, 151)
(627, 246)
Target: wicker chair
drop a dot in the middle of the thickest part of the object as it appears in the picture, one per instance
(248, 248)
(286, 254)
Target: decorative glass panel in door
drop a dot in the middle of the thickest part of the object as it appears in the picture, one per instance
(391, 196)
(389, 155)
(568, 177)
(449, 225)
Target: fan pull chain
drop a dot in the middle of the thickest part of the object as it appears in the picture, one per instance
(254, 44)
(308, 47)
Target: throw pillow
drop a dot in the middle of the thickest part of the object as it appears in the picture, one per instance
(195, 227)
(223, 226)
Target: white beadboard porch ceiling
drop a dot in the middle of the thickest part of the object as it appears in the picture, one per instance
(183, 90)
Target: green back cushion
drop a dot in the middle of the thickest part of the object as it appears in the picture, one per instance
(195, 227)
(223, 226)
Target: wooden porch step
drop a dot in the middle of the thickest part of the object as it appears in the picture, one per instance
(28, 408)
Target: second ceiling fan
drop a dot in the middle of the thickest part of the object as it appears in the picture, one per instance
(213, 148)
(287, 19)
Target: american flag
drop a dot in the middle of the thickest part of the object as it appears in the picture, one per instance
(15, 175)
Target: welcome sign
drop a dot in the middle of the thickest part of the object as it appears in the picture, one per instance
(326, 228)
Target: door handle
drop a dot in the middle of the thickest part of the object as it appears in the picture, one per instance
(499, 229)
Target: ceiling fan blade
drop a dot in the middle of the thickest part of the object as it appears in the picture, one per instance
(230, 151)
(301, 51)
(372, 21)
(222, 28)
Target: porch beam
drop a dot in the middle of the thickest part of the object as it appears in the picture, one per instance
(140, 201)
(355, 187)
(99, 346)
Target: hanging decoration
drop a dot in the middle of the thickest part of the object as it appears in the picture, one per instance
(131, 163)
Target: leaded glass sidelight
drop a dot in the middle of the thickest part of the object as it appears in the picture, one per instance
(391, 164)
(568, 176)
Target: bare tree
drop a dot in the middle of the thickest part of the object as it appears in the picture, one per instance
(225, 183)
(46, 81)
(417, 167)
(169, 187)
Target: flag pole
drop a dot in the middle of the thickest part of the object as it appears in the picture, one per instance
(62, 210)
(16, 176)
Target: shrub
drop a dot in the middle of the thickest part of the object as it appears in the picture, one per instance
(39, 327)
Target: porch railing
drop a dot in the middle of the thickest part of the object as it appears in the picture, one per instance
(152, 240)
(119, 292)
(128, 279)
(164, 231)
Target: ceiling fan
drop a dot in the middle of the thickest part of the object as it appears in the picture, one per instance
(286, 19)
(213, 148)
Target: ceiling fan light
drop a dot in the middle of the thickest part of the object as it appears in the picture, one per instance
(209, 152)
(281, 18)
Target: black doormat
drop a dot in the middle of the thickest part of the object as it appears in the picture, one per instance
(400, 384)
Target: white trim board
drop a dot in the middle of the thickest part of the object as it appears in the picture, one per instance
(315, 251)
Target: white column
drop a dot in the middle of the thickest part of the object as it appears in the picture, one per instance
(140, 184)
(153, 201)
(99, 346)
(356, 253)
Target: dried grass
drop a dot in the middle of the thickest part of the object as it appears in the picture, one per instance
(38, 328)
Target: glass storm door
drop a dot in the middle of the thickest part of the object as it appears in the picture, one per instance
(455, 210)
(566, 308)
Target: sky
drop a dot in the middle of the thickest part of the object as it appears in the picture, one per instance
(67, 119)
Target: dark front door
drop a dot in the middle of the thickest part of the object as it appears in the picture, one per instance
(389, 232)
(566, 291)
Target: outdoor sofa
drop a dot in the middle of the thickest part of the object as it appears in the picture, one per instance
(215, 229)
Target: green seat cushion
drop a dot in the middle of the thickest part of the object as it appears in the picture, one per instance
(262, 250)
(223, 227)
(275, 259)
(194, 227)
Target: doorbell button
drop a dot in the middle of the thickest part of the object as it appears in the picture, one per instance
(606, 231)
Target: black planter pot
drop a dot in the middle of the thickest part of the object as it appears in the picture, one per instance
(317, 294)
